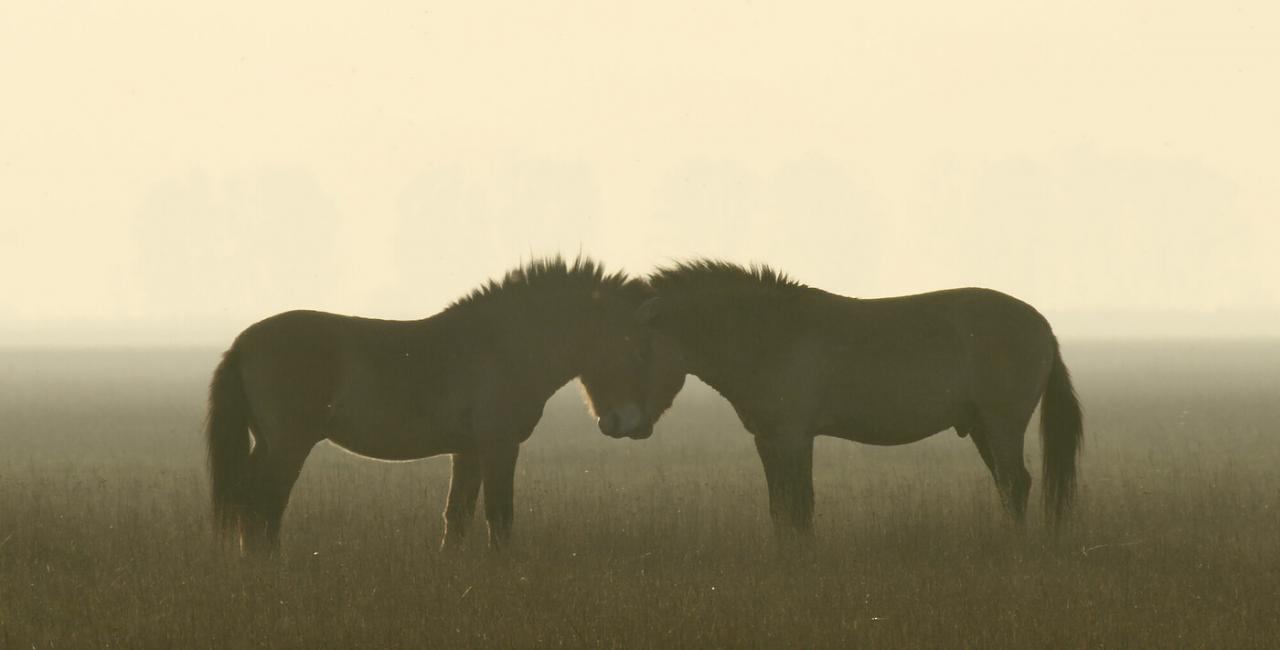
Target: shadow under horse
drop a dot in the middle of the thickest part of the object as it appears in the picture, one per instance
(797, 362)
(470, 381)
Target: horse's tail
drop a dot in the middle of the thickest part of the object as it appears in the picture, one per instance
(1061, 428)
(227, 436)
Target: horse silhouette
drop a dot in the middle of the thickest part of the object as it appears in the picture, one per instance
(470, 381)
(797, 362)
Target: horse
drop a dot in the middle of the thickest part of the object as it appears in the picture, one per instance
(797, 362)
(470, 381)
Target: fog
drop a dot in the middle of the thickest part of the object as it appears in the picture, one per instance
(170, 173)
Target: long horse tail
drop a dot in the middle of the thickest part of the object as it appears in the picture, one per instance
(1061, 430)
(227, 436)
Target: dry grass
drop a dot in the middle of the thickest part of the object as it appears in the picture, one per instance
(105, 540)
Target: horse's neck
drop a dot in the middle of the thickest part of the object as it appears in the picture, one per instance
(729, 378)
(719, 350)
(546, 346)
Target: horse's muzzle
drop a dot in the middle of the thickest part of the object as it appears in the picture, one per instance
(640, 433)
(626, 422)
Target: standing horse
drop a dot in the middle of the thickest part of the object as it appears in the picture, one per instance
(797, 362)
(470, 381)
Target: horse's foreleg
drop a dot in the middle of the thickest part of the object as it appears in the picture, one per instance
(788, 469)
(498, 469)
(464, 489)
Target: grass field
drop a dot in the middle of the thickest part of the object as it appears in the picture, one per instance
(105, 538)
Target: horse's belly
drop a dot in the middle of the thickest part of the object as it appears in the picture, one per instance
(884, 437)
(392, 436)
(377, 450)
(899, 428)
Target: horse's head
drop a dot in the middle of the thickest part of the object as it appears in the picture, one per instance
(634, 377)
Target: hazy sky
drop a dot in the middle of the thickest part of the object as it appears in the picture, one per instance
(170, 172)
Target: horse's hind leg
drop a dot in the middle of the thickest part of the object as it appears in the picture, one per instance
(979, 438)
(273, 469)
(788, 469)
(464, 489)
(999, 440)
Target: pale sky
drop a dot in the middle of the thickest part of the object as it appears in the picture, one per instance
(171, 172)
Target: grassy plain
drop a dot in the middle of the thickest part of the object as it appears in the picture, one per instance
(105, 538)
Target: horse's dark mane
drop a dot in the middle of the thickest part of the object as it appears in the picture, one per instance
(709, 273)
(583, 274)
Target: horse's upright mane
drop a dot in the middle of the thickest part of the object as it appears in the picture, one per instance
(583, 274)
(709, 273)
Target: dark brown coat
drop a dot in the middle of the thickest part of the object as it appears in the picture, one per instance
(470, 381)
(798, 362)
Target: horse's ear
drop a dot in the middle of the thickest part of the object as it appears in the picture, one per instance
(649, 310)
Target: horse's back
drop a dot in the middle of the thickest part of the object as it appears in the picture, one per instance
(324, 342)
(988, 310)
(961, 317)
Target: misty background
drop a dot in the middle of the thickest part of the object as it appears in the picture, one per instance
(171, 173)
